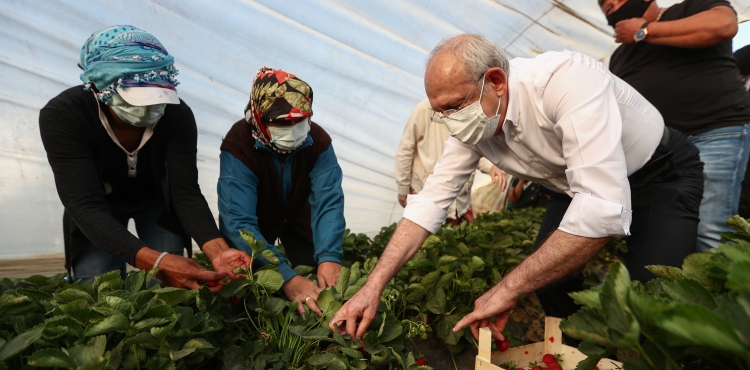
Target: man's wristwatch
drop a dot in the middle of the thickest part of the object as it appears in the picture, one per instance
(641, 34)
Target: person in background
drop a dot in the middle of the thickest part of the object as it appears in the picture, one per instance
(524, 193)
(121, 147)
(562, 120)
(742, 56)
(280, 179)
(680, 59)
(421, 145)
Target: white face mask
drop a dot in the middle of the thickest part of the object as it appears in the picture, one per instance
(290, 137)
(470, 125)
(137, 116)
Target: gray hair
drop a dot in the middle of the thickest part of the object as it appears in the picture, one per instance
(478, 53)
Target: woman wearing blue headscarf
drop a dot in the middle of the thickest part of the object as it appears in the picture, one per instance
(121, 147)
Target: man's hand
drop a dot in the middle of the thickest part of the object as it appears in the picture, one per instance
(224, 258)
(328, 274)
(177, 271)
(625, 30)
(402, 200)
(494, 302)
(363, 305)
(303, 291)
(498, 175)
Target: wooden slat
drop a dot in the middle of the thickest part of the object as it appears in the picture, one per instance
(485, 344)
(42, 264)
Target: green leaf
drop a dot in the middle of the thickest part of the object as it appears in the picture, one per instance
(429, 280)
(436, 301)
(51, 357)
(588, 298)
(343, 281)
(625, 329)
(109, 281)
(353, 353)
(353, 289)
(477, 263)
(303, 270)
(173, 296)
(176, 355)
(270, 280)
(11, 304)
(738, 276)
(445, 260)
(690, 291)
(321, 359)
(328, 304)
(315, 334)
(587, 324)
(107, 324)
(78, 310)
(17, 344)
(249, 239)
(134, 281)
(415, 291)
(198, 344)
(234, 359)
(685, 320)
(269, 256)
(71, 295)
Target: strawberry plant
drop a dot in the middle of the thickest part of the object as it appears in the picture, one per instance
(697, 317)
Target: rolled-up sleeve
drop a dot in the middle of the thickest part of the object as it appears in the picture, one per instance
(580, 98)
(428, 209)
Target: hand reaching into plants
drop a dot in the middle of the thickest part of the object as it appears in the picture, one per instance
(303, 291)
(328, 274)
(493, 303)
(498, 175)
(363, 305)
(177, 271)
(224, 258)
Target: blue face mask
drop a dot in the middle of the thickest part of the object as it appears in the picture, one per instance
(137, 116)
(290, 137)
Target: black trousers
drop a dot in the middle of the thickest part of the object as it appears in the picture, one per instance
(665, 199)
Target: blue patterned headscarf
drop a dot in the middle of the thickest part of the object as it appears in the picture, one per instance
(125, 56)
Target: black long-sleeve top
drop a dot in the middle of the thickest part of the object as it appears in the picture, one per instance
(74, 138)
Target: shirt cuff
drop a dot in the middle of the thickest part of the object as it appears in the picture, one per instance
(404, 190)
(286, 271)
(593, 217)
(424, 213)
(329, 257)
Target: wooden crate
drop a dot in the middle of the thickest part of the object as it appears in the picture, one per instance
(486, 360)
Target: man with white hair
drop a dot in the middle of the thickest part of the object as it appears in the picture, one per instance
(563, 120)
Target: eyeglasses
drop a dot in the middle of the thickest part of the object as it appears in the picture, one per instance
(448, 112)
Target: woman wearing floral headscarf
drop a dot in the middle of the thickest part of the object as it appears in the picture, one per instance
(280, 179)
(124, 146)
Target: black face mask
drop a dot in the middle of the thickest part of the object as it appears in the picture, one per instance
(631, 9)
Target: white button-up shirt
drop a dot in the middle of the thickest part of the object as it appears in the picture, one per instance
(572, 126)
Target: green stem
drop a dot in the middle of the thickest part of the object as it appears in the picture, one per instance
(643, 354)
(135, 354)
(663, 351)
(454, 362)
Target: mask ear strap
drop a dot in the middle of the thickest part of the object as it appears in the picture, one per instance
(481, 91)
(498, 105)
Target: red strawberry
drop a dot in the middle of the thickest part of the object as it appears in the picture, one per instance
(427, 319)
(421, 361)
(554, 367)
(213, 284)
(234, 300)
(549, 359)
(362, 347)
(502, 345)
(536, 368)
(596, 367)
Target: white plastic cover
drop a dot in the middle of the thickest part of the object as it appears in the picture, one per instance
(364, 60)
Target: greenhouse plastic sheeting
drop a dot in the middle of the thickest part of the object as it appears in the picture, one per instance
(363, 58)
